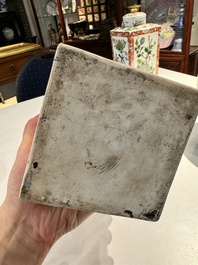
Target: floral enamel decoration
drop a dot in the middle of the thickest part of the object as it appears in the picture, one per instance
(120, 47)
(145, 53)
(137, 46)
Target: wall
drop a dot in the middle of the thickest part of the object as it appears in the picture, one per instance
(30, 16)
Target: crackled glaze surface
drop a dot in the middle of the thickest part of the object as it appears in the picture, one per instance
(109, 137)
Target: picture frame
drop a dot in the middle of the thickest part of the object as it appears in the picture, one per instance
(81, 11)
(92, 11)
(88, 2)
(82, 18)
(90, 18)
(95, 9)
(89, 9)
(96, 17)
(103, 8)
(103, 16)
(82, 3)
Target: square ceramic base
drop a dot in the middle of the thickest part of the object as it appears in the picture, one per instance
(109, 137)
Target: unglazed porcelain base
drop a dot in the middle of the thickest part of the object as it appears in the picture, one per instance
(109, 137)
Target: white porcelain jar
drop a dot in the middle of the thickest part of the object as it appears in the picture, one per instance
(134, 19)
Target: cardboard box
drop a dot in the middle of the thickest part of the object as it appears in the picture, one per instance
(137, 46)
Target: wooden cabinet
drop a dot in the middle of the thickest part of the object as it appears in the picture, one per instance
(178, 61)
(14, 58)
(193, 61)
(99, 47)
(174, 62)
(179, 10)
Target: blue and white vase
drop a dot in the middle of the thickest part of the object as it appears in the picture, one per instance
(3, 6)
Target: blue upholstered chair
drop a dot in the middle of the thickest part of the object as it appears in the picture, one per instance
(33, 76)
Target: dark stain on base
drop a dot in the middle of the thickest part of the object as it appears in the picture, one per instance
(89, 165)
(35, 165)
(152, 215)
(129, 213)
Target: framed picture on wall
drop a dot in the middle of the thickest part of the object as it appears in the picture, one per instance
(103, 8)
(81, 11)
(103, 16)
(88, 2)
(82, 18)
(95, 9)
(90, 18)
(89, 10)
(92, 10)
(82, 3)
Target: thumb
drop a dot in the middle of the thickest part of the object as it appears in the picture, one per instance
(19, 166)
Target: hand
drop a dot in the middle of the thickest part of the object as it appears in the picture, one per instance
(37, 226)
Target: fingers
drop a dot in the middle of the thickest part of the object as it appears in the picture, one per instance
(19, 166)
(30, 128)
(28, 135)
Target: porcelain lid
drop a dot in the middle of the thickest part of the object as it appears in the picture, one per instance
(135, 14)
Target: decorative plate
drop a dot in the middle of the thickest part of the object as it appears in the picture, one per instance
(157, 11)
(51, 7)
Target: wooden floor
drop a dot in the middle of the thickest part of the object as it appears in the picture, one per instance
(8, 102)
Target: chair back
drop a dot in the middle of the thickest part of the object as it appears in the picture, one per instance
(33, 77)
